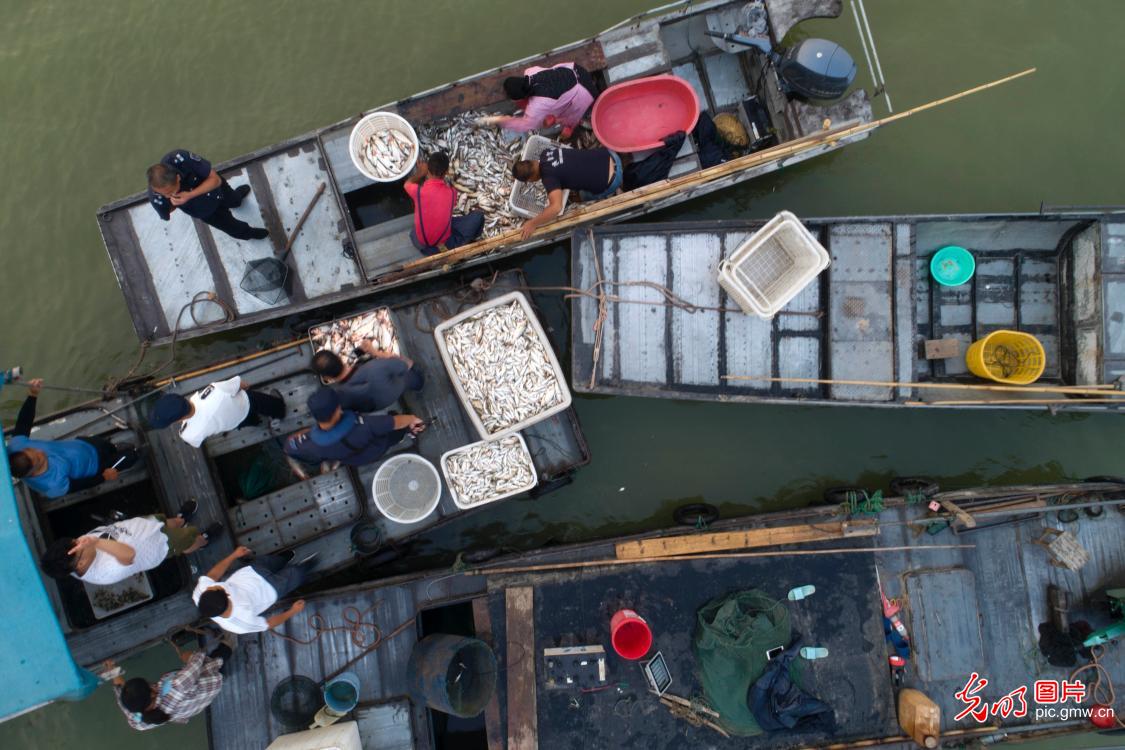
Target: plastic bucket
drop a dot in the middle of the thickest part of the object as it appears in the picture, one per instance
(952, 266)
(342, 693)
(1011, 357)
(630, 634)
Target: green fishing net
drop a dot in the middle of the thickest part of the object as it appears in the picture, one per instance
(732, 637)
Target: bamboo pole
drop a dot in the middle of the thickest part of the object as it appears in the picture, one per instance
(1019, 401)
(717, 556)
(665, 188)
(229, 363)
(1073, 390)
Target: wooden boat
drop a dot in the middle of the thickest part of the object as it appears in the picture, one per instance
(240, 478)
(971, 603)
(355, 241)
(862, 324)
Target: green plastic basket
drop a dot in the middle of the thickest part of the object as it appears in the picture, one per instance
(952, 266)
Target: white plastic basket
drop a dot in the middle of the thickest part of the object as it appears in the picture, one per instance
(443, 350)
(521, 201)
(415, 508)
(770, 268)
(464, 504)
(372, 124)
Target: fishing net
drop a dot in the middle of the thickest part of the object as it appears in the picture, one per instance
(295, 701)
(264, 474)
(266, 279)
(732, 637)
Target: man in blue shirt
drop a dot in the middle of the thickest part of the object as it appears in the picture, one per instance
(346, 437)
(186, 181)
(58, 467)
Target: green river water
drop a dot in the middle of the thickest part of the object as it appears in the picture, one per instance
(90, 94)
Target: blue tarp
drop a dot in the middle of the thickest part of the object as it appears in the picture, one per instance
(35, 663)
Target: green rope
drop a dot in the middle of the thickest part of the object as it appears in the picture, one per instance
(914, 498)
(868, 505)
(459, 565)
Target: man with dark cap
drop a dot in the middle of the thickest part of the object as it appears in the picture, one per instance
(371, 385)
(559, 94)
(341, 436)
(219, 407)
(186, 181)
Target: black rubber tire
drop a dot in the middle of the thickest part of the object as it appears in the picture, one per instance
(924, 486)
(1067, 515)
(1110, 494)
(1096, 511)
(696, 514)
(839, 495)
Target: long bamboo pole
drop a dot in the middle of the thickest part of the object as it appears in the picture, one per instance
(665, 188)
(1073, 390)
(715, 556)
(1020, 402)
(229, 363)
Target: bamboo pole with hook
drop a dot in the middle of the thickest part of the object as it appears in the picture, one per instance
(1069, 390)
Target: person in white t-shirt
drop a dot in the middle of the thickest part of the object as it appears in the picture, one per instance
(219, 407)
(237, 603)
(116, 551)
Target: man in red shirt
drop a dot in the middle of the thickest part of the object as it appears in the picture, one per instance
(435, 226)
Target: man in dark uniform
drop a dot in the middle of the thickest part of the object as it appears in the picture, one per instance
(186, 181)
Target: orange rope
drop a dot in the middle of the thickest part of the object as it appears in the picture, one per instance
(1101, 693)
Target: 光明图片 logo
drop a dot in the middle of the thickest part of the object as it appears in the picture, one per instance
(1056, 700)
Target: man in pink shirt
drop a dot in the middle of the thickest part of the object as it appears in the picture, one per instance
(560, 94)
(435, 227)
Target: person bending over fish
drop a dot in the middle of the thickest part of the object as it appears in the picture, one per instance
(594, 173)
(116, 551)
(371, 385)
(186, 181)
(435, 227)
(559, 94)
(343, 436)
(58, 467)
(218, 408)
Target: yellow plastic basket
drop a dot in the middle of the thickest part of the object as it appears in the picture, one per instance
(1007, 357)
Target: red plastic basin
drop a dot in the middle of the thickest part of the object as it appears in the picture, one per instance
(637, 115)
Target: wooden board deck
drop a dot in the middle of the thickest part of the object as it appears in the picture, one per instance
(523, 731)
(690, 544)
(866, 317)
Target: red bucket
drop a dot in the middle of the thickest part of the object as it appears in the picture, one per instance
(630, 634)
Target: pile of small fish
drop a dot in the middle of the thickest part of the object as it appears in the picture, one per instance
(480, 167)
(113, 599)
(484, 471)
(503, 366)
(344, 335)
(388, 153)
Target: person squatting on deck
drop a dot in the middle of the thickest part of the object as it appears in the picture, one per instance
(561, 94)
(218, 408)
(594, 173)
(178, 695)
(54, 468)
(343, 436)
(435, 227)
(116, 551)
(187, 181)
(237, 604)
(371, 385)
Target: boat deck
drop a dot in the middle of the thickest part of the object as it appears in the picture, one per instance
(356, 239)
(975, 608)
(864, 318)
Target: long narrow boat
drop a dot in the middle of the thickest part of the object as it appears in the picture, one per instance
(856, 335)
(971, 602)
(355, 242)
(240, 478)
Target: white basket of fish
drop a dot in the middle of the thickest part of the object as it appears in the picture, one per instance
(488, 471)
(383, 147)
(528, 199)
(502, 366)
(343, 335)
(118, 597)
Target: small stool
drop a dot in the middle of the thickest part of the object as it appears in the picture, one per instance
(1065, 550)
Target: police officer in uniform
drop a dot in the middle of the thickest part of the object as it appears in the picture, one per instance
(186, 181)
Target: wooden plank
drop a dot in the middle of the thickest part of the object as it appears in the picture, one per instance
(689, 544)
(523, 721)
(942, 348)
(482, 623)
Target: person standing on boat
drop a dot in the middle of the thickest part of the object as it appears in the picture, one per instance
(187, 181)
(343, 436)
(435, 227)
(219, 407)
(54, 468)
(236, 604)
(561, 94)
(178, 695)
(372, 385)
(116, 551)
(594, 173)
